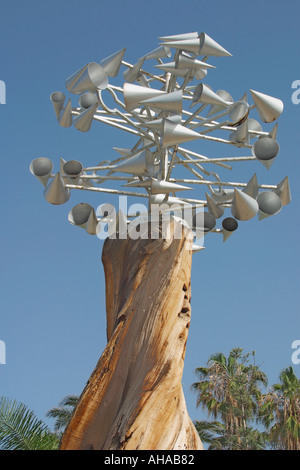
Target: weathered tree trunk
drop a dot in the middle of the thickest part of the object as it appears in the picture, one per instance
(134, 398)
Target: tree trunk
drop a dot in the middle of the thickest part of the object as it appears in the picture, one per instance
(134, 398)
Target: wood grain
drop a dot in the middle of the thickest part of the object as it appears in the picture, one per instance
(134, 398)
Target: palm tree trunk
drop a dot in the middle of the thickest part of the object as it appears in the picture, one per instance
(134, 399)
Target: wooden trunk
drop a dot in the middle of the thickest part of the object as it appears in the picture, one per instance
(134, 398)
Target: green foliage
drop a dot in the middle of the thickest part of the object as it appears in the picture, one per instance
(21, 430)
(62, 414)
(229, 390)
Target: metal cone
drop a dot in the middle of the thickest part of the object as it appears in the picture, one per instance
(84, 120)
(79, 214)
(158, 53)
(93, 78)
(241, 134)
(56, 193)
(113, 63)
(72, 169)
(238, 111)
(170, 102)
(283, 191)
(229, 226)
(92, 222)
(252, 187)
(170, 67)
(204, 222)
(244, 207)
(216, 108)
(178, 37)
(269, 202)
(204, 94)
(122, 151)
(41, 168)
(165, 187)
(265, 149)
(65, 119)
(87, 100)
(268, 108)
(158, 124)
(163, 199)
(73, 79)
(174, 134)
(131, 74)
(273, 132)
(253, 125)
(139, 164)
(57, 98)
(134, 94)
(209, 46)
(215, 209)
(186, 62)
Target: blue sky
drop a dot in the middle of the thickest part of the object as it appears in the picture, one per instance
(245, 292)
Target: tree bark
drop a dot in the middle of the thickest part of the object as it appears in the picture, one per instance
(134, 398)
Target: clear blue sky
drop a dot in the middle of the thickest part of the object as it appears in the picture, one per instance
(245, 292)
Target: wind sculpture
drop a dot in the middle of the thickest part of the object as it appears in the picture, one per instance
(134, 398)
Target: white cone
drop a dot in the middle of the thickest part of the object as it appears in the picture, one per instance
(93, 78)
(57, 98)
(158, 124)
(65, 119)
(92, 222)
(122, 151)
(41, 168)
(134, 94)
(131, 74)
(253, 125)
(170, 102)
(56, 193)
(188, 45)
(79, 214)
(174, 134)
(209, 46)
(186, 62)
(241, 134)
(165, 187)
(244, 207)
(273, 131)
(283, 191)
(215, 209)
(84, 120)
(142, 162)
(178, 37)
(216, 108)
(265, 149)
(158, 53)
(204, 94)
(113, 63)
(268, 108)
(229, 225)
(252, 187)
(269, 202)
(238, 111)
(73, 79)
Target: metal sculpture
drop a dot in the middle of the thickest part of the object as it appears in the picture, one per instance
(164, 109)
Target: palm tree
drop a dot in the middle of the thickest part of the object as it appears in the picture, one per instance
(280, 412)
(21, 430)
(63, 412)
(229, 390)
